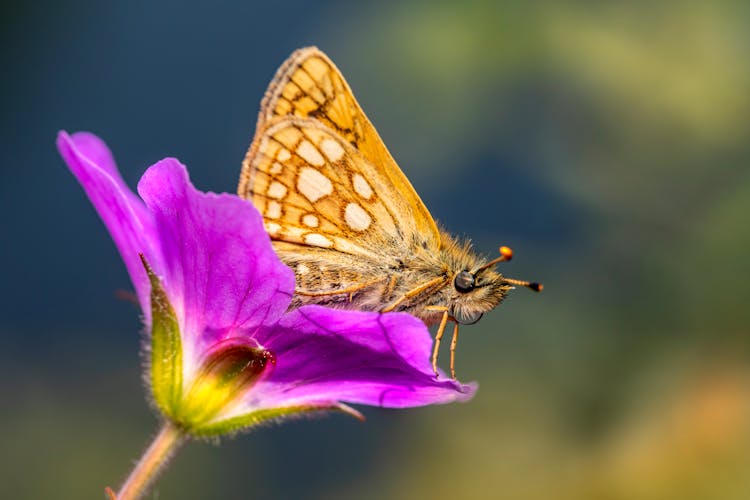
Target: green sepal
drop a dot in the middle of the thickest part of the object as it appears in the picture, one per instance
(166, 349)
(244, 422)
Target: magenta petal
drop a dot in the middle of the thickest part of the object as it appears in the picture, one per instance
(219, 270)
(128, 221)
(225, 284)
(326, 356)
(93, 148)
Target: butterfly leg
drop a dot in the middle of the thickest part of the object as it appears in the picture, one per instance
(348, 290)
(454, 341)
(438, 338)
(414, 291)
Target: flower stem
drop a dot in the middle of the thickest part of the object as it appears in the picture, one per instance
(148, 467)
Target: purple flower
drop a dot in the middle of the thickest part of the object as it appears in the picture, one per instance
(225, 353)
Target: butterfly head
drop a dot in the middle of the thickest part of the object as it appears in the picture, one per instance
(478, 290)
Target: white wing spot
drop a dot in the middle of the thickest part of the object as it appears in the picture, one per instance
(332, 149)
(283, 155)
(276, 190)
(356, 217)
(272, 228)
(361, 186)
(310, 220)
(311, 155)
(276, 168)
(313, 185)
(318, 240)
(273, 210)
(302, 269)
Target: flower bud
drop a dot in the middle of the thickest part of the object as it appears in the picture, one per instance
(227, 372)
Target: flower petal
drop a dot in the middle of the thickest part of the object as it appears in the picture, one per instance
(220, 271)
(126, 217)
(326, 356)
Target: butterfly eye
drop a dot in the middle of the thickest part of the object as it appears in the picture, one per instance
(464, 282)
(467, 318)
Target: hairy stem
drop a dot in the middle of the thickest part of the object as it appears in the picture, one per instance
(151, 463)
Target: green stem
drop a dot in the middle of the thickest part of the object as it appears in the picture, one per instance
(148, 467)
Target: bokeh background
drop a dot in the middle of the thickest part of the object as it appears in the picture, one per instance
(606, 144)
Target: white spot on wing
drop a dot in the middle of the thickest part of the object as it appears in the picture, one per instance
(313, 185)
(276, 190)
(318, 240)
(273, 210)
(276, 168)
(332, 149)
(361, 186)
(310, 220)
(311, 155)
(272, 228)
(356, 217)
(283, 155)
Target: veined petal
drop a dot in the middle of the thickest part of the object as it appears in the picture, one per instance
(327, 356)
(226, 355)
(219, 269)
(93, 148)
(126, 217)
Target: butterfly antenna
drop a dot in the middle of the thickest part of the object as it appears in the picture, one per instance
(537, 287)
(505, 255)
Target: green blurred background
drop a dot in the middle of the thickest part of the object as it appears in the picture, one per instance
(606, 144)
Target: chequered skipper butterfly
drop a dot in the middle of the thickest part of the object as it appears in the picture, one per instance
(344, 217)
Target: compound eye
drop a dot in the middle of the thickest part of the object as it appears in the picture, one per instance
(464, 282)
(467, 318)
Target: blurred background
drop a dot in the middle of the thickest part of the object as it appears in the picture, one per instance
(606, 144)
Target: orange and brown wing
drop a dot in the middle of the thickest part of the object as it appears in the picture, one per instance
(309, 87)
(313, 188)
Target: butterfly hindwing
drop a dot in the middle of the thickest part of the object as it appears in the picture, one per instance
(313, 188)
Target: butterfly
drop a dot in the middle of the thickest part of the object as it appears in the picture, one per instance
(345, 218)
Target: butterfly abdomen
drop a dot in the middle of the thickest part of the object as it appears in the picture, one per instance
(366, 286)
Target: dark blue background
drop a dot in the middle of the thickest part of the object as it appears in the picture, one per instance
(606, 145)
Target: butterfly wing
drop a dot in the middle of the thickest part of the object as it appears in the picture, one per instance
(315, 189)
(309, 102)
